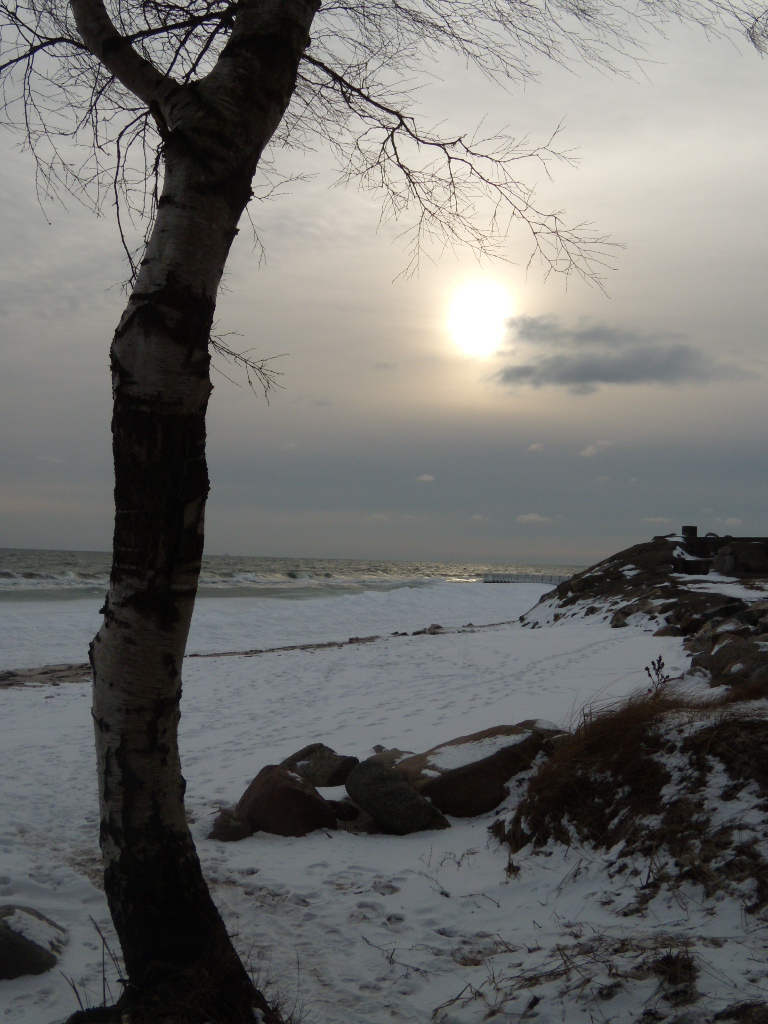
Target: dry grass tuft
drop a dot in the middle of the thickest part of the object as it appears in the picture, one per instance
(741, 745)
(601, 779)
(605, 786)
(751, 1012)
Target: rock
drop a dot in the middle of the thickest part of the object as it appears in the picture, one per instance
(618, 620)
(230, 827)
(735, 627)
(467, 776)
(690, 624)
(390, 755)
(434, 628)
(740, 556)
(731, 651)
(30, 943)
(669, 631)
(352, 818)
(345, 809)
(702, 661)
(418, 769)
(320, 765)
(283, 803)
(724, 561)
(387, 797)
(759, 673)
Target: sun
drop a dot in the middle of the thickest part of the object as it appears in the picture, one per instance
(477, 315)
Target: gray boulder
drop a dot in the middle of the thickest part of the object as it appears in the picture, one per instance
(30, 943)
(387, 797)
(320, 765)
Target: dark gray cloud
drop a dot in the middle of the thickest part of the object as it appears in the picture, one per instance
(547, 354)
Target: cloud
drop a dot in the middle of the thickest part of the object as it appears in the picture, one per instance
(603, 479)
(290, 446)
(51, 459)
(731, 521)
(536, 447)
(479, 519)
(533, 517)
(378, 517)
(581, 359)
(426, 478)
(657, 520)
(595, 449)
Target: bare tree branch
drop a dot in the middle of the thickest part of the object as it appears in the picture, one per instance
(260, 376)
(115, 52)
(92, 139)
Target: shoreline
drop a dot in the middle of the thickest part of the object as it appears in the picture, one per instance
(55, 675)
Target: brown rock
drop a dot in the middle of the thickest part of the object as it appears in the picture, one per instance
(477, 784)
(480, 787)
(419, 768)
(283, 803)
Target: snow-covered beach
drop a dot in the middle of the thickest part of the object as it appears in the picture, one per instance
(350, 927)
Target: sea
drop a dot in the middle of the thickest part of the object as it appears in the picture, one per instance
(28, 573)
(50, 600)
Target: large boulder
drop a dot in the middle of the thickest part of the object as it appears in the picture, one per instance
(283, 803)
(391, 801)
(320, 765)
(467, 776)
(30, 943)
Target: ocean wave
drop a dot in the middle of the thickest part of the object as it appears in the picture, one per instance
(29, 573)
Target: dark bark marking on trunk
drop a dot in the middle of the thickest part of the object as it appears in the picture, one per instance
(176, 313)
(162, 471)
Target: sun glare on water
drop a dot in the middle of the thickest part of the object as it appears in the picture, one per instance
(477, 315)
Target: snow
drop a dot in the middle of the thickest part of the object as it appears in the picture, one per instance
(348, 928)
(460, 754)
(716, 583)
(35, 928)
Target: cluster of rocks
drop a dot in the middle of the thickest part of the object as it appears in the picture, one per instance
(726, 635)
(732, 647)
(392, 791)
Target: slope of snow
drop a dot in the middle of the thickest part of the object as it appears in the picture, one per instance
(352, 928)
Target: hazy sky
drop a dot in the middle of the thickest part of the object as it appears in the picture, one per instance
(600, 421)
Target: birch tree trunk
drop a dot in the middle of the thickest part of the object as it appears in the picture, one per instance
(174, 942)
